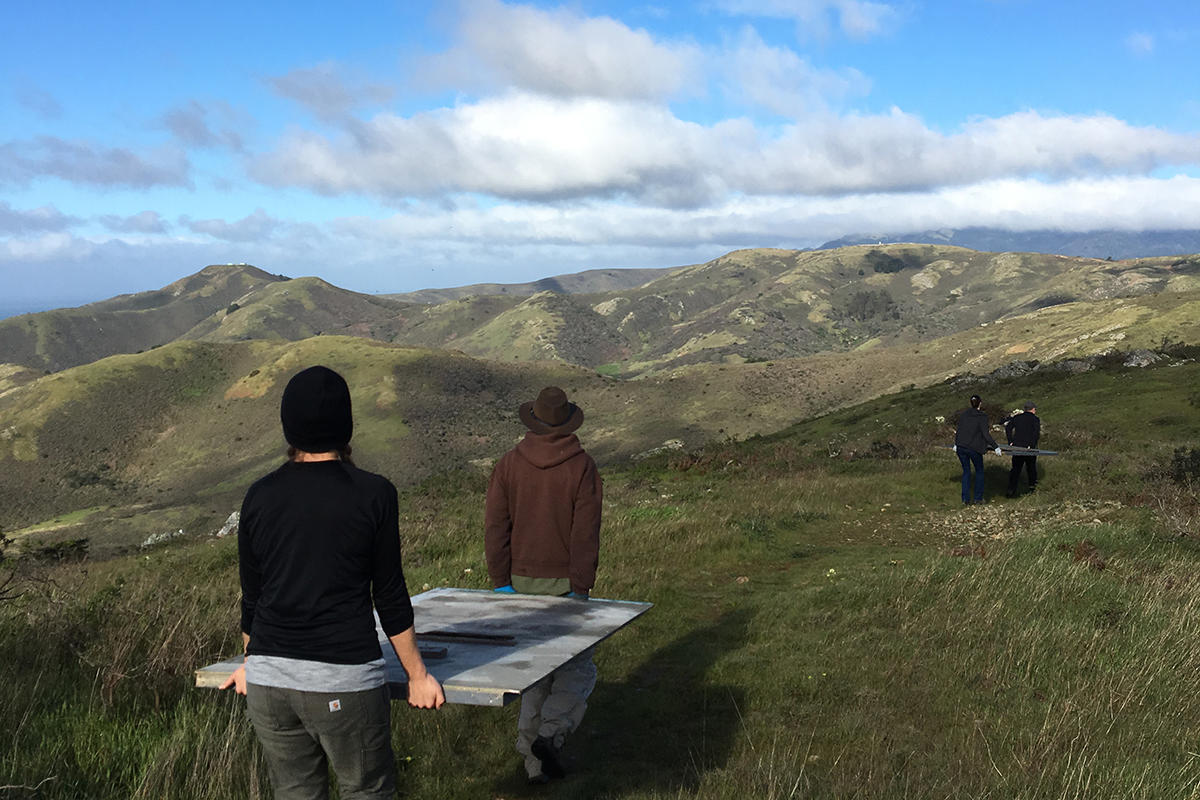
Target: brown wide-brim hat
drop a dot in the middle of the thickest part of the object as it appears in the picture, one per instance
(551, 412)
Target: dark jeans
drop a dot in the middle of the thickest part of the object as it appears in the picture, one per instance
(1030, 465)
(968, 458)
(304, 733)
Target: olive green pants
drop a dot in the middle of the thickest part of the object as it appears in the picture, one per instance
(303, 734)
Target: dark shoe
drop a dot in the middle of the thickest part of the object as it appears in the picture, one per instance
(547, 753)
(539, 780)
(1010, 494)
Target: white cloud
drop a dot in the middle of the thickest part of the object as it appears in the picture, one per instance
(522, 146)
(328, 91)
(44, 247)
(1140, 44)
(561, 53)
(897, 151)
(518, 145)
(427, 246)
(45, 218)
(858, 19)
(779, 80)
(144, 222)
(189, 124)
(1019, 204)
(252, 228)
(83, 162)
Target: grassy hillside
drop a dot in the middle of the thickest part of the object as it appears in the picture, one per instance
(54, 340)
(748, 305)
(776, 304)
(300, 308)
(586, 282)
(829, 622)
(139, 445)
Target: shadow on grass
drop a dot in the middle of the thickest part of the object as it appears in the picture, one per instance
(995, 482)
(658, 731)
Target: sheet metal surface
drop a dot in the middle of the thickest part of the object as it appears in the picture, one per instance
(1012, 450)
(545, 633)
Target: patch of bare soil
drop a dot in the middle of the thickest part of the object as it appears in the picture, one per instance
(1003, 521)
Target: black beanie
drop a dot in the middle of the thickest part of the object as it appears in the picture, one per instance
(316, 411)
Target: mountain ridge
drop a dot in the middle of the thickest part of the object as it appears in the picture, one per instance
(747, 305)
(586, 282)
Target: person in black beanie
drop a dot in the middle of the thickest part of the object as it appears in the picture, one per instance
(318, 547)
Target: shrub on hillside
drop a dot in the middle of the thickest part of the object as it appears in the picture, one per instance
(8, 575)
(887, 263)
(872, 304)
(1185, 465)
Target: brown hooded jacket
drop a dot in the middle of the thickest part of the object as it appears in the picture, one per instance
(542, 518)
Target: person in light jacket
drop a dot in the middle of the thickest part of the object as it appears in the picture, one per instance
(971, 439)
(542, 536)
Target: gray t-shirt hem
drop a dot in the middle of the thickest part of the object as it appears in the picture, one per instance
(314, 676)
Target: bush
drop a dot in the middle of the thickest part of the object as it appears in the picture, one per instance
(1185, 465)
(8, 575)
(872, 304)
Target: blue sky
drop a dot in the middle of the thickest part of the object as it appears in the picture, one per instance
(394, 146)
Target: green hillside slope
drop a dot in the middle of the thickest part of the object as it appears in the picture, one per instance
(829, 621)
(169, 438)
(776, 304)
(750, 305)
(54, 340)
(300, 308)
(586, 282)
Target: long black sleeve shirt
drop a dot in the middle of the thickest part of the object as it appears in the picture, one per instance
(1023, 429)
(317, 543)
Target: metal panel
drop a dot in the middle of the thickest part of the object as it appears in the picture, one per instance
(1012, 450)
(497, 645)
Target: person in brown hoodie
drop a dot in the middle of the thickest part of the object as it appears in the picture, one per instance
(542, 536)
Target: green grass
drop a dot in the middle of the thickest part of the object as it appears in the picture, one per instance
(828, 623)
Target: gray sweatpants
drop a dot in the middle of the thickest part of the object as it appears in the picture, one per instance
(303, 734)
(553, 707)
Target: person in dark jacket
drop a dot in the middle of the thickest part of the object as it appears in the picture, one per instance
(971, 439)
(1023, 429)
(542, 536)
(318, 547)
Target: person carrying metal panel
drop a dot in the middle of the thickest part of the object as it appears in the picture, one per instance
(1023, 429)
(971, 440)
(318, 546)
(542, 536)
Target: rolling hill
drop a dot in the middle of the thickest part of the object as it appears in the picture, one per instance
(132, 445)
(749, 305)
(587, 282)
(54, 340)
(135, 445)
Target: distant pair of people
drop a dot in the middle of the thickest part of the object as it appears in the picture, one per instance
(319, 547)
(973, 438)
